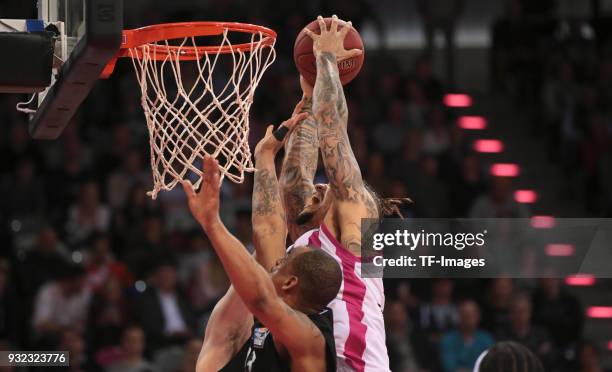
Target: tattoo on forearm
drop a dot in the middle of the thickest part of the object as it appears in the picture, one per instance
(331, 111)
(300, 164)
(266, 196)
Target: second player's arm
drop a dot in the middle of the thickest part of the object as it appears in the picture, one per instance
(268, 216)
(299, 168)
(249, 279)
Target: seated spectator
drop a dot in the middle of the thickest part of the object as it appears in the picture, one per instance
(400, 338)
(43, 262)
(120, 182)
(499, 202)
(9, 305)
(521, 330)
(508, 357)
(436, 138)
(588, 358)
(145, 246)
(62, 302)
(5, 346)
(430, 194)
(165, 314)
(132, 348)
(71, 340)
(460, 348)
(109, 313)
(389, 135)
(376, 173)
(208, 284)
(101, 264)
(23, 195)
(190, 355)
(440, 314)
(87, 216)
(468, 187)
(496, 306)
(436, 317)
(557, 311)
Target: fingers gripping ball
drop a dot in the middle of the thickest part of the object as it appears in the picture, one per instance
(306, 62)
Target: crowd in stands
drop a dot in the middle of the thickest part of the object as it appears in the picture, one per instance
(92, 265)
(560, 70)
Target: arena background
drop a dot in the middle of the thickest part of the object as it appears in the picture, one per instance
(539, 78)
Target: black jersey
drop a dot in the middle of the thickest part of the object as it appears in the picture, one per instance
(259, 354)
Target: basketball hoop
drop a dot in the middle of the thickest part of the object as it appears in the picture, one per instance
(189, 112)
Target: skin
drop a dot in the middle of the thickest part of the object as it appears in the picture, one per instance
(300, 165)
(271, 296)
(345, 200)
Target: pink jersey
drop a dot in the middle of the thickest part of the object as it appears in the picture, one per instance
(359, 328)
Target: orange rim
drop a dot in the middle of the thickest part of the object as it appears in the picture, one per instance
(170, 31)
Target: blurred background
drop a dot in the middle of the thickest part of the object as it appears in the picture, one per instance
(473, 108)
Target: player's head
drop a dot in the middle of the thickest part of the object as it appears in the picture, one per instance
(509, 356)
(307, 277)
(317, 205)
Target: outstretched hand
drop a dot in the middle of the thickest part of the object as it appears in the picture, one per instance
(332, 40)
(271, 143)
(204, 205)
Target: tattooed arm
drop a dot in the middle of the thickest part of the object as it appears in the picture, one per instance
(299, 166)
(353, 201)
(268, 217)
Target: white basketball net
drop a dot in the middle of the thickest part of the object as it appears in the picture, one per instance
(188, 118)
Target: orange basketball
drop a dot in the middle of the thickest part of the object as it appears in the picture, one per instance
(305, 60)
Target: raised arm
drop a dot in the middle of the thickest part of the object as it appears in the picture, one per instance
(252, 283)
(300, 165)
(330, 110)
(268, 217)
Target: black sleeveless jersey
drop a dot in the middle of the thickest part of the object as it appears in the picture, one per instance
(259, 354)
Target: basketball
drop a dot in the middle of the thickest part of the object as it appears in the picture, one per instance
(305, 60)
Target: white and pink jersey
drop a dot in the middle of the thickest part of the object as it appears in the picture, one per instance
(359, 328)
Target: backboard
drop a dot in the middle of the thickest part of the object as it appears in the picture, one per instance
(90, 36)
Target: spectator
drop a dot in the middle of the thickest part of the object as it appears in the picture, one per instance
(497, 303)
(9, 305)
(435, 318)
(101, 265)
(521, 330)
(23, 195)
(132, 347)
(430, 194)
(389, 134)
(62, 302)
(165, 314)
(400, 339)
(468, 187)
(87, 216)
(588, 358)
(72, 341)
(146, 246)
(441, 15)
(190, 355)
(460, 348)
(498, 202)
(5, 346)
(558, 311)
(440, 314)
(109, 313)
(43, 262)
(120, 182)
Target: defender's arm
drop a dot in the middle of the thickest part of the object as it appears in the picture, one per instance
(252, 283)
